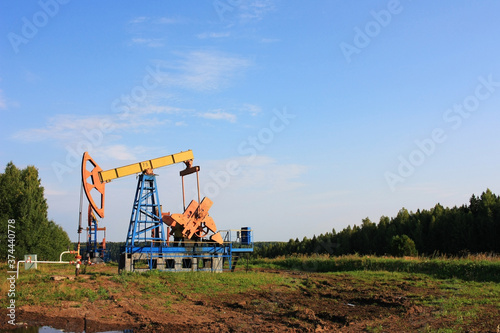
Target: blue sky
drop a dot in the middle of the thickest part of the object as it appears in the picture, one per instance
(304, 116)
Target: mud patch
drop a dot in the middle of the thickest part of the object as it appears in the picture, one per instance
(309, 302)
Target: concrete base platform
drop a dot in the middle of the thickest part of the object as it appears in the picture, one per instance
(172, 262)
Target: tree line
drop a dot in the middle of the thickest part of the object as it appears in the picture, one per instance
(470, 228)
(24, 224)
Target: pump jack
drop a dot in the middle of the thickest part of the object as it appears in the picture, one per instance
(146, 236)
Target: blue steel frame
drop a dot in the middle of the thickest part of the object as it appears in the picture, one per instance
(92, 244)
(146, 233)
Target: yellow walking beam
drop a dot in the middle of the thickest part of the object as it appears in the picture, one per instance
(94, 180)
(109, 175)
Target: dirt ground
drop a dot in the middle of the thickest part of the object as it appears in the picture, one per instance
(318, 303)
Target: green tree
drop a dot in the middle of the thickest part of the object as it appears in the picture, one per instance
(22, 200)
(403, 246)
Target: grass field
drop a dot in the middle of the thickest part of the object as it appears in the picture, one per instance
(348, 294)
(472, 268)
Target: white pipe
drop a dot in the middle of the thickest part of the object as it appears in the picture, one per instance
(72, 251)
(60, 257)
(17, 270)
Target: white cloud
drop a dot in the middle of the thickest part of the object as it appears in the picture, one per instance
(158, 20)
(168, 20)
(63, 127)
(251, 109)
(198, 70)
(260, 174)
(115, 152)
(144, 31)
(68, 128)
(206, 35)
(255, 10)
(139, 19)
(218, 115)
(149, 42)
(204, 70)
(149, 108)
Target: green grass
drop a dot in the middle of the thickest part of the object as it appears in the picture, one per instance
(198, 283)
(461, 302)
(464, 299)
(464, 289)
(35, 287)
(481, 270)
(458, 291)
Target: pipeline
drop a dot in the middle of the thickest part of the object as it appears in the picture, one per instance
(72, 252)
(78, 256)
(47, 262)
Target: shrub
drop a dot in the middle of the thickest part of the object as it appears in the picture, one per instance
(403, 246)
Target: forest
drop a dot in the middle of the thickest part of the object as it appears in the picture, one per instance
(24, 224)
(468, 229)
